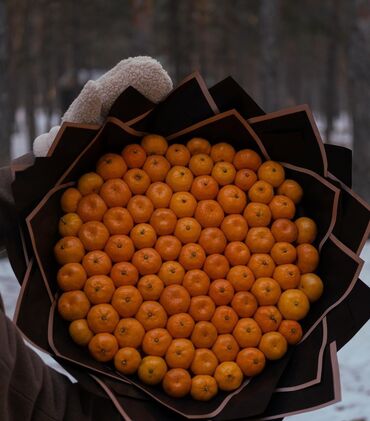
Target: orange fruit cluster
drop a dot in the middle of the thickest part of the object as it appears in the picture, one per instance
(185, 264)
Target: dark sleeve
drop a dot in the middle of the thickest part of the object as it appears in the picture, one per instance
(7, 209)
(30, 390)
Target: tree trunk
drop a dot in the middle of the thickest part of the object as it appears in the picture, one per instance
(359, 92)
(29, 54)
(269, 52)
(142, 26)
(7, 91)
(330, 90)
(199, 53)
(4, 110)
(30, 113)
(174, 39)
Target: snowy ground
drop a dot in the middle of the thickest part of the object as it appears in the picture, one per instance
(354, 358)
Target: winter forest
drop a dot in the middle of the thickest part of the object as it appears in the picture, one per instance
(282, 52)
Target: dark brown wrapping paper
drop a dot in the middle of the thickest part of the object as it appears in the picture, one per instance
(32, 301)
(53, 166)
(340, 162)
(130, 105)
(228, 95)
(191, 99)
(290, 136)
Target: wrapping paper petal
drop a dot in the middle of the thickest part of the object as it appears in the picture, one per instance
(340, 163)
(291, 136)
(322, 394)
(349, 316)
(228, 94)
(32, 302)
(353, 212)
(130, 106)
(190, 100)
(68, 143)
(17, 250)
(42, 228)
(139, 409)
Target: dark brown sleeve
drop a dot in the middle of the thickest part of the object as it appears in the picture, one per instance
(8, 214)
(30, 390)
(7, 209)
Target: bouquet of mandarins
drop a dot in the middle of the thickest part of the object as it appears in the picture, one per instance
(211, 261)
(162, 256)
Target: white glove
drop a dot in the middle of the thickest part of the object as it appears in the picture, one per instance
(96, 98)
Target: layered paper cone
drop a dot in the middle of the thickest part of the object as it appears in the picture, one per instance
(307, 376)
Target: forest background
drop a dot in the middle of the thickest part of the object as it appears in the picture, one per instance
(283, 52)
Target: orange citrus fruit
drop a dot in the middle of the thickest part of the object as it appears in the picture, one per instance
(228, 376)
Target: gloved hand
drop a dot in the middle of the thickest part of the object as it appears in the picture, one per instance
(96, 98)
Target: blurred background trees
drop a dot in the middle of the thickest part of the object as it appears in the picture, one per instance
(282, 52)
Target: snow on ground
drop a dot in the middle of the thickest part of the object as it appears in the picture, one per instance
(354, 358)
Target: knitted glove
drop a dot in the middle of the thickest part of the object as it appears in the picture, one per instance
(96, 98)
